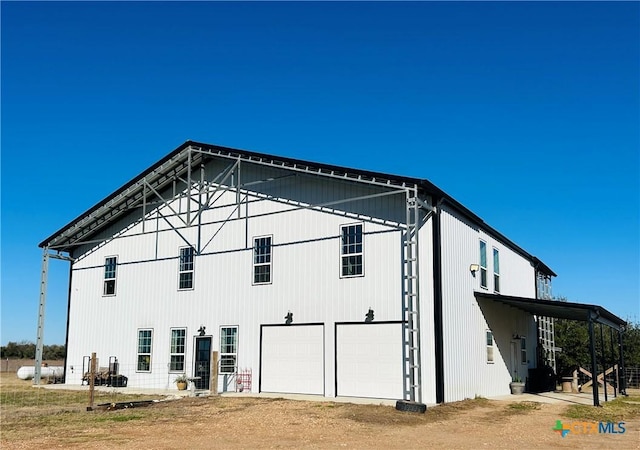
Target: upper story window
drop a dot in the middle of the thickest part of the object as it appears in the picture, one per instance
(177, 350)
(186, 268)
(496, 270)
(228, 349)
(144, 350)
(483, 264)
(489, 346)
(262, 260)
(110, 267)
(351, 250)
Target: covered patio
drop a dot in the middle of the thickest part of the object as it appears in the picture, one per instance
(592, 314)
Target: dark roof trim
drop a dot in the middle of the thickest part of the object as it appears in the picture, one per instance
(425, 187)
(558, 309)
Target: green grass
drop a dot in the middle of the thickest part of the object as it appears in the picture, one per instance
(523, 407)
(619, 409)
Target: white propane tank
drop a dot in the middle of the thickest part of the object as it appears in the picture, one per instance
(28, 372)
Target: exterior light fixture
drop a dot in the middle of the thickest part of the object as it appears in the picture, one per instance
(288, 318)
(201, 330)
(474, 268)
(516, 336)
(369, 316)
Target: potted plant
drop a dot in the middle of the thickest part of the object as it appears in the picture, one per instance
(181, 382)
(517, 385)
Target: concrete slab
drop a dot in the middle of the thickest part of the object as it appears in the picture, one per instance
(582, 398)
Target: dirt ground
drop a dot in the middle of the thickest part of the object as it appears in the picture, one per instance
(248, 422)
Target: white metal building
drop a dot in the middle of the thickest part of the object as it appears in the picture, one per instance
(313, 278)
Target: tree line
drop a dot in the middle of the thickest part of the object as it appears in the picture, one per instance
(573, 338)
(27, 350)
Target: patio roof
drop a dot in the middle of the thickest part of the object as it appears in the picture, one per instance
(558, 309)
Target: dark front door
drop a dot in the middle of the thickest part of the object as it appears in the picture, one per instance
(202, 358)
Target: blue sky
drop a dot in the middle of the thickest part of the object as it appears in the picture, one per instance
(527, 113)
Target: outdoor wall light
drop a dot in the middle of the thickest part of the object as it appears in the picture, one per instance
(369, 315)
(474, 268)
(288, 318)
(516, 336)
(201, 330)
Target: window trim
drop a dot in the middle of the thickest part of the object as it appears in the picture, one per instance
(483, 269)
(255, 265)
(361, 253)
(192, 271)
(115, 276)
(490, 357)
(138, 353)
(496, 270)
(183, 354)
(235, 354)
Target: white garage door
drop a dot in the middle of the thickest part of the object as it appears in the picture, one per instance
(369, 360)
(293, 359)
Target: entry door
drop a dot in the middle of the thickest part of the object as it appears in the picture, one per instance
(202, 359)
(514, 359)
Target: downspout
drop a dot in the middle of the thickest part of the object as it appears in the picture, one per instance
(437, 303)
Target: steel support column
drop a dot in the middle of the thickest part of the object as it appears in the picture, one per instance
(603, 358)
(41, 309)
(621, 368)
(613, 360)
(594, 363)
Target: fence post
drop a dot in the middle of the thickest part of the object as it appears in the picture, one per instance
(214, 373)
(92, 380)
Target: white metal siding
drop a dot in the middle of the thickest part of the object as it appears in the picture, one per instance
(305, 280)
(466, 371)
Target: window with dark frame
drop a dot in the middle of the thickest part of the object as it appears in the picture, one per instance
(483, 264)
(144, 350)
(186, 268)
(262, 260)
(110, 267)
(496, 270)
(351, 250)
(177, 351)
(523, 350)
(228, 349)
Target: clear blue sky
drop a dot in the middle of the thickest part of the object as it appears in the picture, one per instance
(527, 113)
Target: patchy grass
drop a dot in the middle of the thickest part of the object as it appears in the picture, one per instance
(523, 407)
(619, 409)
(384, 415)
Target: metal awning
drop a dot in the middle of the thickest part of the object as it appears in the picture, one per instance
(558, 309)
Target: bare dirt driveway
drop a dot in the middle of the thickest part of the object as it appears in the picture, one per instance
(248, 422)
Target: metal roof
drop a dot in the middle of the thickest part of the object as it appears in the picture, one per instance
(176, 163)
(558, 309)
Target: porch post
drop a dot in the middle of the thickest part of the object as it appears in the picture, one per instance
(621, 368)
(594, 364)
(603, 358)
(613, 360)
